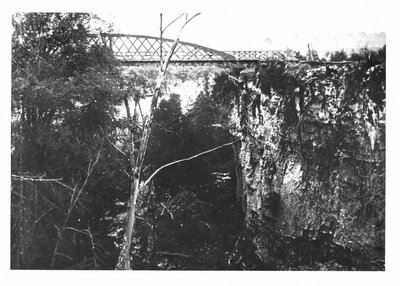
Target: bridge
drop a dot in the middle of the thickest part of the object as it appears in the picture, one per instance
(138, 49)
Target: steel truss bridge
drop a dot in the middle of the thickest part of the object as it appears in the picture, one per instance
(138, 49)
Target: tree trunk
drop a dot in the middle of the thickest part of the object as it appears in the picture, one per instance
(136, 165)
(124, 262)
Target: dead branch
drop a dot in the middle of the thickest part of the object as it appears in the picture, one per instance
(186, 159)
(20, 195)
(141, 113)
(88, 173)
(116, 148)
(172, 50)
(64, 255)
(165, 208)
(161, 37)
(93, 250)
(109, 141)
(36, 221)
(82, 265)
(74, 229)
(74, 198)
(40, 179)
(234, 78)
(166, 253)
(163, 30)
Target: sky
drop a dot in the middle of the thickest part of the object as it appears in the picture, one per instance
(239, 24)
(255, 25)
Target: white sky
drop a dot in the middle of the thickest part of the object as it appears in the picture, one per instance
(238, 25)
(246, 24)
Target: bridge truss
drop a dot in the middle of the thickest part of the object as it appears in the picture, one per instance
(135, 49)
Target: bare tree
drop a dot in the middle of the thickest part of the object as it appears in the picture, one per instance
(137, 156)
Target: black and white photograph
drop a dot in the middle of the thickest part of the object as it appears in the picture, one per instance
(231, 135)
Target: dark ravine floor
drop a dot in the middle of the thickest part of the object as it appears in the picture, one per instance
(227, 245)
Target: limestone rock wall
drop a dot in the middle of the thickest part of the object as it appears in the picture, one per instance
(311, 161)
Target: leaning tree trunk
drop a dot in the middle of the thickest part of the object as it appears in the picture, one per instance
(136, 168)
(137, 163)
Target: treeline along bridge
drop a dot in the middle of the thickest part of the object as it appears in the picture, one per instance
(138, 49)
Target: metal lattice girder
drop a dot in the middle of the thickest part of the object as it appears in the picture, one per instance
(138, 48)
(257, 55)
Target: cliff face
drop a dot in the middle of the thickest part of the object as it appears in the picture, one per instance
(311, 163)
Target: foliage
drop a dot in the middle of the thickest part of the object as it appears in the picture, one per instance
(338, 56)
(64, 97)
(166, 141)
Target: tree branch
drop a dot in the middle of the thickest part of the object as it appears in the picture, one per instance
(109, 141)
(186, 159)
(163, 30)
(115, 146)
(166, 253)
(74, 198)
(172, 50)
(40, 179)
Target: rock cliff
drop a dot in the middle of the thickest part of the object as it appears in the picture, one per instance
(311, 161)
